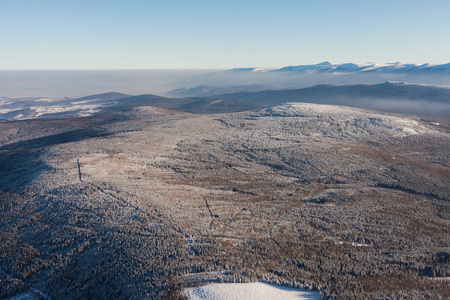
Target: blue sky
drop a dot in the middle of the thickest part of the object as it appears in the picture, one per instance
(138, 34)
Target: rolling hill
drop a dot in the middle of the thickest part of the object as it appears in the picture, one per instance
(142, 201)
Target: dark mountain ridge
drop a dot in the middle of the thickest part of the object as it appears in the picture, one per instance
(110, 96)
(209, 90)
(387, 96)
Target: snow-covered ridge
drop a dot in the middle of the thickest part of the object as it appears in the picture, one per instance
(396, 67)
(253, 70)
(344, 117)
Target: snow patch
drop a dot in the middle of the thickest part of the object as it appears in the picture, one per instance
(84, 101)
(46, 99)
(408, 131)
(259, 70)
(349, 118)
(354, 244)
(5, 102)
(250, 291)
(215, 102)
(44, 110)
(7, 110)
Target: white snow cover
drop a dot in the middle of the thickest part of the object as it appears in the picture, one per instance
(84, 101)
(5, 102)
(259, 70)
(7, 110)
(372, 66)
(338, 115)
(42, 110)
(248, 291)
(215, 102)
(47, 99)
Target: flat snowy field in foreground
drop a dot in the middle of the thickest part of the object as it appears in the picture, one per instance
(256, 290)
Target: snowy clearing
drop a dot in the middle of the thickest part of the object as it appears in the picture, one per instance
(7, 110)
(215, 102)
(84, 109)
(256, 290)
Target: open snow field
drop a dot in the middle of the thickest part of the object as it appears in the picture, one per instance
(255, 290)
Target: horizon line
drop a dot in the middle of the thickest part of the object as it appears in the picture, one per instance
(229, 68)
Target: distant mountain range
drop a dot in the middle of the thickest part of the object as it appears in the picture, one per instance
(388, 96)
(395, 67)
(331, 93)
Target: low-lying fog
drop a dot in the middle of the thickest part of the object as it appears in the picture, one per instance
(405, 106)
(75, 84)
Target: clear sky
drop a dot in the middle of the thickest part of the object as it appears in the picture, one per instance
(193, 34)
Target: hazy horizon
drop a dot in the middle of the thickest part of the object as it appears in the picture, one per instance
(80, 83)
